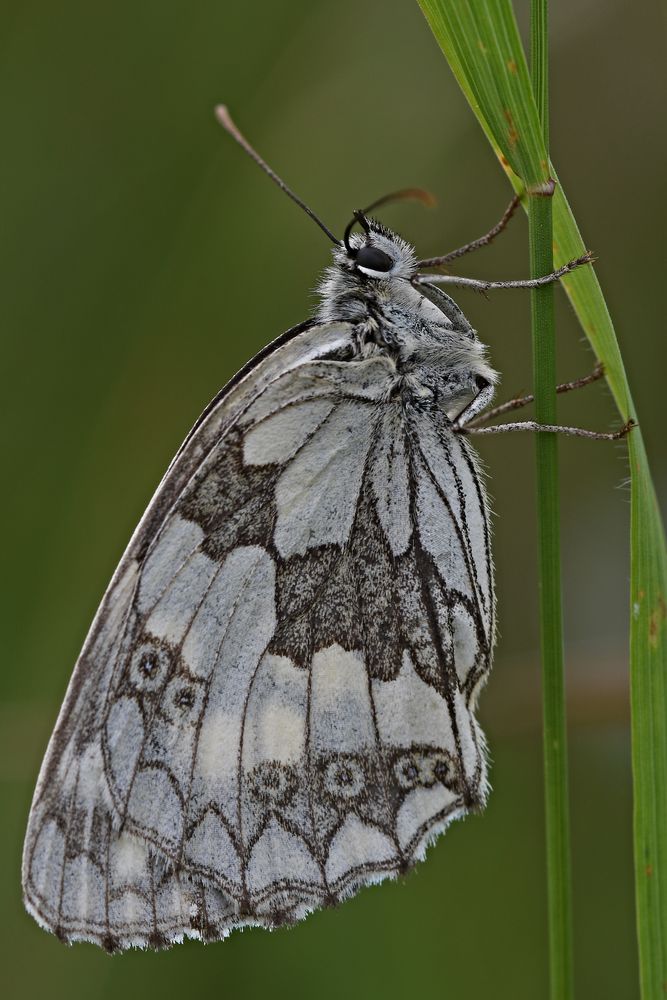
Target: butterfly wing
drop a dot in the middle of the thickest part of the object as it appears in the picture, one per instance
(274, 704)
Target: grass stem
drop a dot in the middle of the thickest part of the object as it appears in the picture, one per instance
(557, 818)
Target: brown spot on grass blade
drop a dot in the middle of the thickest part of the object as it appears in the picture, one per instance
(512, 133)
(512, 66)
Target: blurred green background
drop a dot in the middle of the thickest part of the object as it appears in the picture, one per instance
(144, 258)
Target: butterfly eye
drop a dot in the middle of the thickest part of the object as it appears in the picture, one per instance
(373, 259)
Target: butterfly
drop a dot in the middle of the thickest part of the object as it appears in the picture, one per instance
(275, 703)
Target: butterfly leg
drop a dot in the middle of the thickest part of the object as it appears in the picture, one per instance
(485, 286)
(519, 401)
(532, 425)
(483, 241)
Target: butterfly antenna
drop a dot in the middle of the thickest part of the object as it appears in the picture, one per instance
(223, 116)
(405, 194)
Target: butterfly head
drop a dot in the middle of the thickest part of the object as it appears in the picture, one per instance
(375, 252)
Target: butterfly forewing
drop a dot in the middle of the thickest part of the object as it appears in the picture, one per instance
(274, 704)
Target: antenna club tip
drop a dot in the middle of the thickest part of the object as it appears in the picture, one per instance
(222, 114)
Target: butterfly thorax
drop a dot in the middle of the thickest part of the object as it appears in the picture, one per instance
(435, 351)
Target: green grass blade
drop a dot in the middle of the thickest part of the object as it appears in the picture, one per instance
(648, 632)
(482, 45)
(556, 785)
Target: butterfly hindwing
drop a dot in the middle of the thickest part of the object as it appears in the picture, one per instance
(274, 705)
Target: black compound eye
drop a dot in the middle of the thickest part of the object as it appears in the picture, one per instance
(373, 259)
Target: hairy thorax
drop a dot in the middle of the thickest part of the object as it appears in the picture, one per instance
(436, 353)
